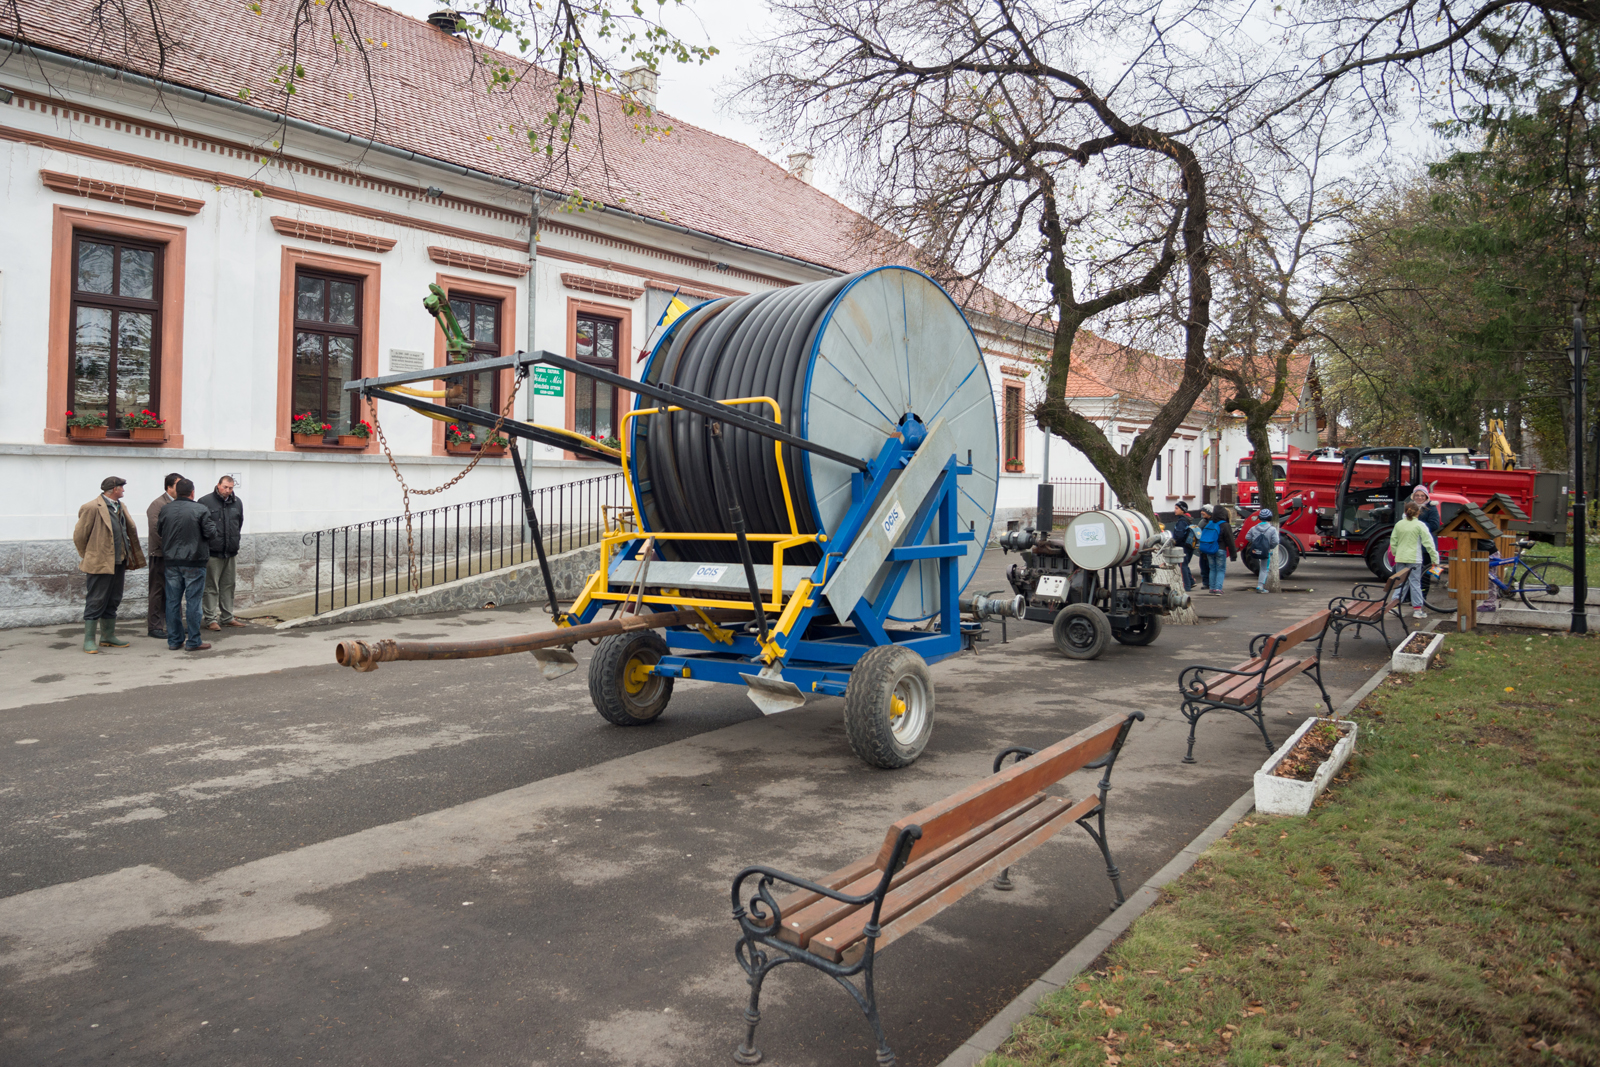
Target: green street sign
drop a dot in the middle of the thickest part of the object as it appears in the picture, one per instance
(549, 381)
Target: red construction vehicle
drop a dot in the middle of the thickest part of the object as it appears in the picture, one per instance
(1345, 505)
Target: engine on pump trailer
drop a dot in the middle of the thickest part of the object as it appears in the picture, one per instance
(1096, 583)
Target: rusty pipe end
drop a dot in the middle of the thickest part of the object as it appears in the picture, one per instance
(362, 656)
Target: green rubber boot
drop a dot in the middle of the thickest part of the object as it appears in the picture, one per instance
(108, 634)
(90, 645)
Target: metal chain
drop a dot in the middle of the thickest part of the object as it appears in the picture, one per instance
(413, 572)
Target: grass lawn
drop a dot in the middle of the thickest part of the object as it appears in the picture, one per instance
(1440, 905)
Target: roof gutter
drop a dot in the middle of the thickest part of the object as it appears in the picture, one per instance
(88, 66)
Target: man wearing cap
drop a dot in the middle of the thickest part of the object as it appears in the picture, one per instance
(1264, 539)
(1181, 525)
(108, 547)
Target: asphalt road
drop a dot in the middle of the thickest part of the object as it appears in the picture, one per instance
(461, 863)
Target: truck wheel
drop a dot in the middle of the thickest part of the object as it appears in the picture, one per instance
(1377, 549)
(1288, 557)
(1081, 631)
(888, 707)
(620, 683)
(1148, 630)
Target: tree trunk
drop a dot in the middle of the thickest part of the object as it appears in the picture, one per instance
(1266, 486)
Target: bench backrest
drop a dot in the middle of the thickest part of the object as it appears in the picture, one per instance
(953, 816)
(1304, 630)
(1399, 577)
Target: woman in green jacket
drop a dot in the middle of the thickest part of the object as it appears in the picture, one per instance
(1407, 541)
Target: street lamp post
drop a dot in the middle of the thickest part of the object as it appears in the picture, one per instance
(1579, 355)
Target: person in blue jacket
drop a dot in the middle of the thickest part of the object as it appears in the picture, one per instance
(1181, 525)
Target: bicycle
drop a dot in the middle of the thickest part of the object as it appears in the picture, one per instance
(1535, 584)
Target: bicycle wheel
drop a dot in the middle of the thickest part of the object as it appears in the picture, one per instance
(1543, 583)
(1434, 594)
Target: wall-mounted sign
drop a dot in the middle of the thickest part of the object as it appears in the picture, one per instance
(401, 359)
(549, 381)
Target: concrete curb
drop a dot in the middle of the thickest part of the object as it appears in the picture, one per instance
(998, 1029)
(995, 1032)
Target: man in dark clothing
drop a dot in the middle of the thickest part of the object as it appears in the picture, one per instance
(187, 531)
(156, 616)
(227, 512)
(1180, 536)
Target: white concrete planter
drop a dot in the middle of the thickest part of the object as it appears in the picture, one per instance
(1409, 663)
(1289, 796)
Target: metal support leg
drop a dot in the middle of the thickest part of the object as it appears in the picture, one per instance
(538, 539)
(1194, 720)
(1105, 850)
(1004, 882)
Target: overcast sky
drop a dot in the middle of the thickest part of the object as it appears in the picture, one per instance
(692, 93)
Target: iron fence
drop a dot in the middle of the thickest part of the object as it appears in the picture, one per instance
(368, 560)
(1081, 494)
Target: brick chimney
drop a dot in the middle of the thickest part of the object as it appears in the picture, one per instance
(801, 166)
(642, 82)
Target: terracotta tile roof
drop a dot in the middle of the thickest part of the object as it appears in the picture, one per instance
(428, 100)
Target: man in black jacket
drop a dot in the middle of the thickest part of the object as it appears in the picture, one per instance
(227, 511)
(1180, 536)
(187, 531)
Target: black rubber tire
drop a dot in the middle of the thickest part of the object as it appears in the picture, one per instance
(1377, 548)
(608, 673)
(1081, 631)
(869, 719)
(1149, 630)
(1435, 595)
(1537, 580)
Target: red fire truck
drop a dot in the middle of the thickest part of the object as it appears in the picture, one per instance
(1345, 505)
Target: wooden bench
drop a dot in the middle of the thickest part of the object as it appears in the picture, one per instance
(927, 862)
(1359, 609)
(1242, 687)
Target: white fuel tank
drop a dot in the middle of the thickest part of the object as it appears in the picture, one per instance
(1114, 538)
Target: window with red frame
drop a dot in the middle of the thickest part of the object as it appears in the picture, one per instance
(115, 365)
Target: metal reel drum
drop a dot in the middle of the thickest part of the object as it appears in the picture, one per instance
(895, 344)
(852, 361)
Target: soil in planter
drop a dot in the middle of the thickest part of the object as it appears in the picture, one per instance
(1416, 644)
(1310, 752)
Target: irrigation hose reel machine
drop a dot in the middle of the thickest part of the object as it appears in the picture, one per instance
(813, 472)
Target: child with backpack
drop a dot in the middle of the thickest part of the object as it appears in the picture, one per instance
(1264, 540)
(1213, 556)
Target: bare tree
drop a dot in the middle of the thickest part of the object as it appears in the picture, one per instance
(987, 135)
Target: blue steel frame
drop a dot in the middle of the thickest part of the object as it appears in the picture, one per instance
(818, 652)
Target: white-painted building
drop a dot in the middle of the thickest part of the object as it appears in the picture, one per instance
(172, 248)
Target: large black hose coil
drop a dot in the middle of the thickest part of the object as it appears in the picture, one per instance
(848, 360)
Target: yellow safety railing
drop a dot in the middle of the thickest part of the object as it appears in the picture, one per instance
(786, 608)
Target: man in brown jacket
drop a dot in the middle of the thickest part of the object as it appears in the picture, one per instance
(156, 616)
(108, 545)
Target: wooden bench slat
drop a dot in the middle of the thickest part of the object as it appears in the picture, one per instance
(803, 921)
(1364, 609)
(978, 803)
(804, 898)
(920, 899)
(1282, 671)
(1224, 685)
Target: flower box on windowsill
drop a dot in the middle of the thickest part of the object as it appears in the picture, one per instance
(352, 440)
(304, 439)
(86, 433)
(494, 450)
(459, 450)
(147, 433)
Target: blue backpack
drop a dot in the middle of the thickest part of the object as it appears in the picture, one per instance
(1209, 535)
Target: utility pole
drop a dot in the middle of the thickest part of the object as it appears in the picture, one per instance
(1579, 354)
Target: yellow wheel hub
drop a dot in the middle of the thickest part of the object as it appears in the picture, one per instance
(897, 707)
(636, 676)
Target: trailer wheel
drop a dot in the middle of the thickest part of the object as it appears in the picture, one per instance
(1081, 631)
(1149, 629)
(888, 707)
(620, 684)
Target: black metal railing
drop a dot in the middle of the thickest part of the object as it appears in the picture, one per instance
(368, 560)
